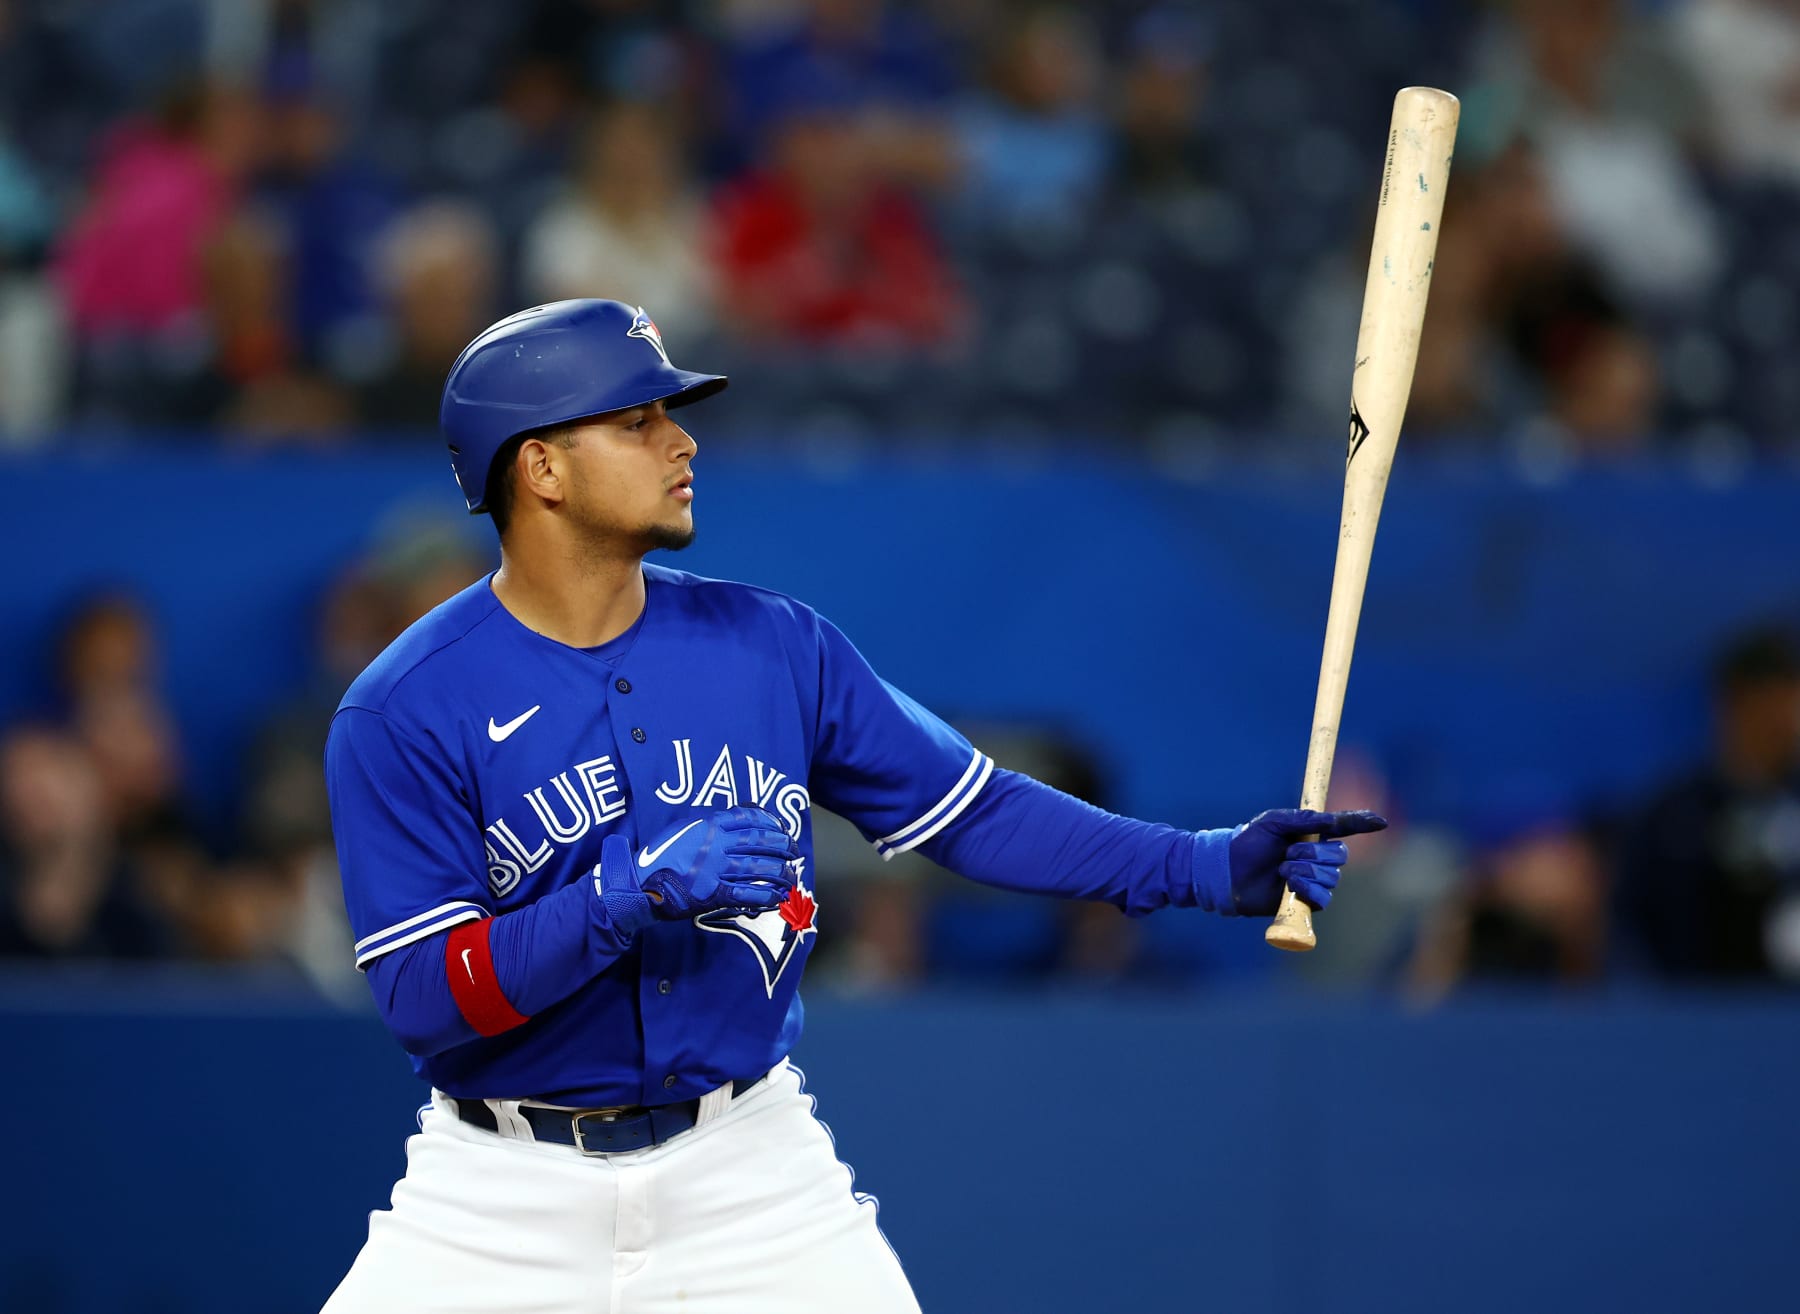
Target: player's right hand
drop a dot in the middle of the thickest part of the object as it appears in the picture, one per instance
(734, 859)
(1291, 848)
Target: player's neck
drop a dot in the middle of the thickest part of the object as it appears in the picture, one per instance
(581, 604)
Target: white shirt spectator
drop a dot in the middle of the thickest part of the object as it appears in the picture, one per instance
(576, 249)
(1746, 56)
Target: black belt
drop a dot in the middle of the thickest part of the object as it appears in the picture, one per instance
(601, 1131)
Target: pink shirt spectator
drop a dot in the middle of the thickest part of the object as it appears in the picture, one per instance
(132, 261)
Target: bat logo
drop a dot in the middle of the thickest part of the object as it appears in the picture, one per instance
(1359, 430)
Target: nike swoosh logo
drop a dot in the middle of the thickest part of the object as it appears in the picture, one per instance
(466, 967)
(649, 856)
(498, 733)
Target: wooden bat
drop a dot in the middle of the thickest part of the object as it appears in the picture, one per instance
(1420, 141)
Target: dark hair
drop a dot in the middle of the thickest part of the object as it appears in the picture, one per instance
(502, 474)
(1755, 658)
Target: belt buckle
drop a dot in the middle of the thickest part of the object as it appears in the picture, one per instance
(599, 1115)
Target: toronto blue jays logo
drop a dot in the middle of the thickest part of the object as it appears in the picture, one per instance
(773, 936)
(644, 327)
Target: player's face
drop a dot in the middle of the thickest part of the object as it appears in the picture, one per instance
(631, 478)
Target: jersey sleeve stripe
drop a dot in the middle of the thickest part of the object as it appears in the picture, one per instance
(398, 927)
(947, 810)
(462, 913)
(942, 803)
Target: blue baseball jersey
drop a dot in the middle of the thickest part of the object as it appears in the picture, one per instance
(476, 766)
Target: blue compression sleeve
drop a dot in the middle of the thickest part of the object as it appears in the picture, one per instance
(1020, 834)
(542, 953)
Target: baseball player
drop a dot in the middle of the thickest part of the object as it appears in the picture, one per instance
(573, 811)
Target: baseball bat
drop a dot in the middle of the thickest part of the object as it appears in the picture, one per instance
(1421, 138)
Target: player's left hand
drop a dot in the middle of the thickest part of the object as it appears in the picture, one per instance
(1269, 853)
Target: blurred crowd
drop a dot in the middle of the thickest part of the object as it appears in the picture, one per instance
(1138, 224)
(103, 856)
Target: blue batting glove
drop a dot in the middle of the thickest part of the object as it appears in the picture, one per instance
(1269, 853)
(734, 859)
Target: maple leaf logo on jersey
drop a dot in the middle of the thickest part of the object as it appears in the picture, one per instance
(774, 936)
(797, 910)
(644, 327)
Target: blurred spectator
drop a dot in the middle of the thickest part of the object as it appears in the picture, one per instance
(33, 349)
(34, 359)
(630, 49)
(1709, 871)
(1162, 85)
(244, 914)
(282, 44)
(510, 155)
(255, 386)
(26, 213)
(816, 249)
(109, 673)
(1607, 111)
(330, 206)
(106, 647)
(886, 60)
(132, 264)
(1533, 910)
(630, 227)
(422, 558)
(1034, 146)
(286, 811)
(440, 271)
(1745, 55)
(55, 97)
(1603, 389)
(1574, 360)
(65, 889)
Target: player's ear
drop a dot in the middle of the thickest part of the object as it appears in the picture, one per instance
(542, 469)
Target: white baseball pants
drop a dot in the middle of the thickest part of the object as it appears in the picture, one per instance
(748, 1213)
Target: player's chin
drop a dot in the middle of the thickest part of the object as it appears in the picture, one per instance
(671, 535)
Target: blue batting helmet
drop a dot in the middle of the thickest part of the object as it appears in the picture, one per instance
(551, 365)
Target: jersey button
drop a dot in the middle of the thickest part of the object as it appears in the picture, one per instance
(622, 685)
(669, 1082)
(639, 735)
(664, 986)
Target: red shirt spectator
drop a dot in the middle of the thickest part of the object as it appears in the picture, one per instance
(817, 249)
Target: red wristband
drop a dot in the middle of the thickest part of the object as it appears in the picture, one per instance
(469, 967)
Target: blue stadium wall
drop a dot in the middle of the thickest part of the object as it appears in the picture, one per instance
(180, 1147)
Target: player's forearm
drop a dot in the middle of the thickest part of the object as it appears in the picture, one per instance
(486, 977)
(1020, 834)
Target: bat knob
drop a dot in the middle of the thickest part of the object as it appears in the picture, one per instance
(1292, 928)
